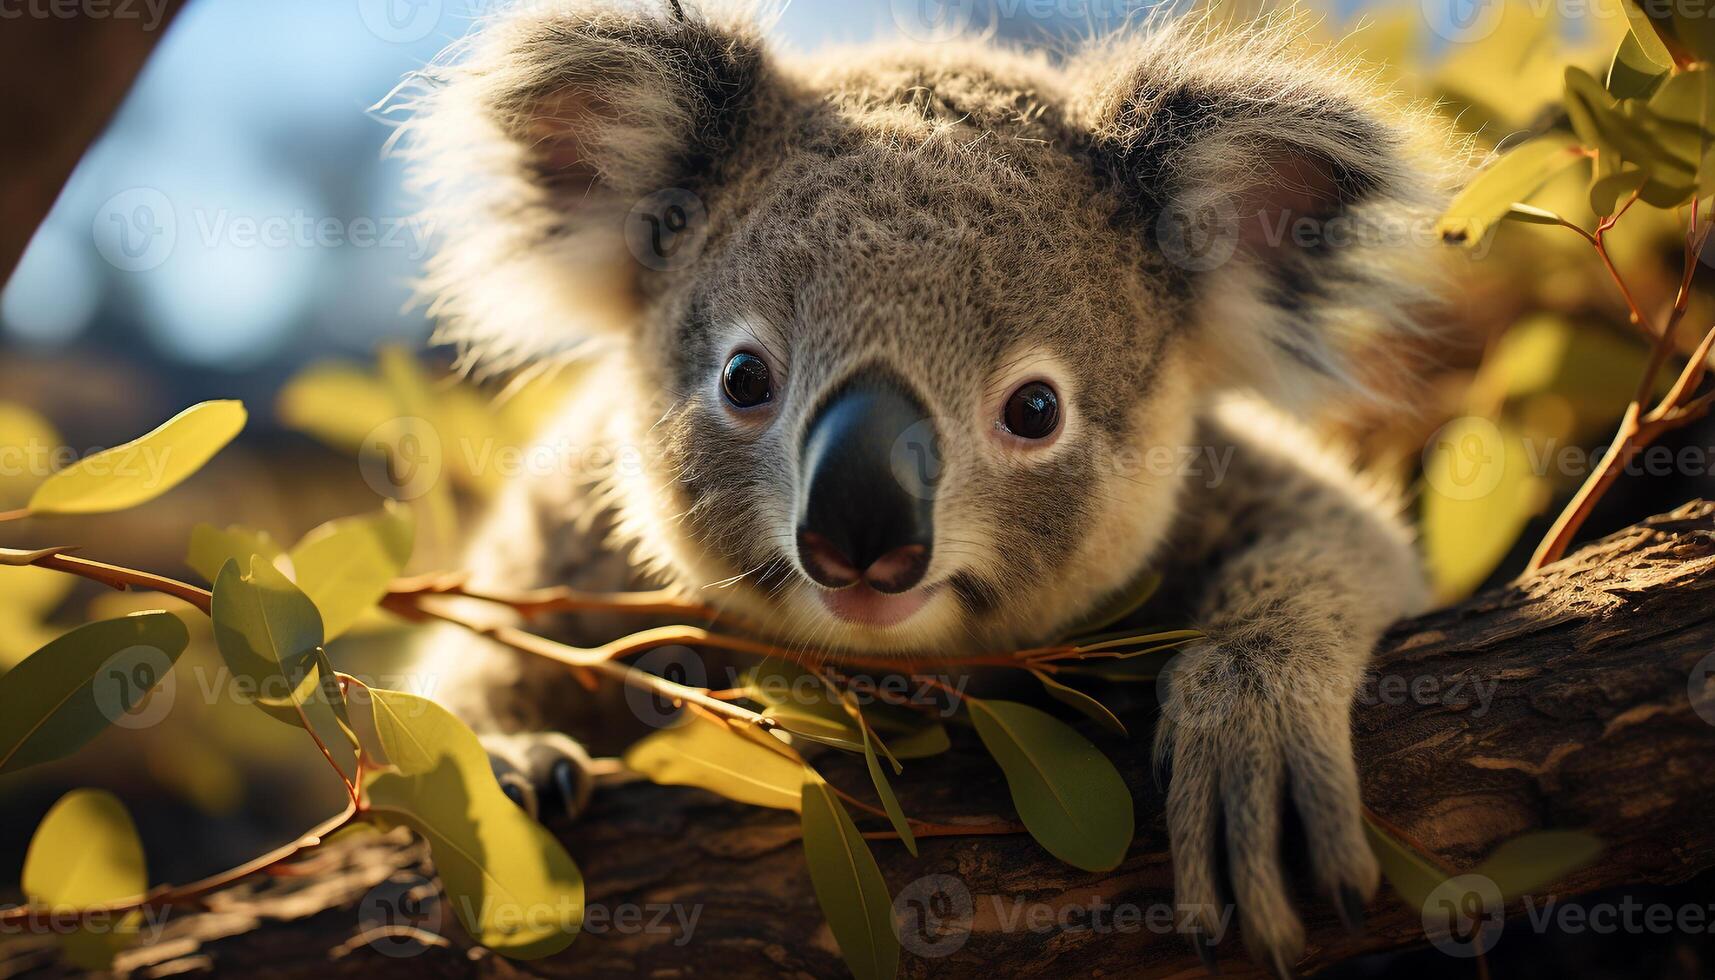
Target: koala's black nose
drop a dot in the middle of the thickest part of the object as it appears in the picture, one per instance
(857, 519)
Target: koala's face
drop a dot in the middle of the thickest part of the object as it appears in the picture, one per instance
(899, 423)
(925, 373)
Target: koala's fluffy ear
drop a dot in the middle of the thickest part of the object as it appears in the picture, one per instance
(536, 138)
(1294, 204)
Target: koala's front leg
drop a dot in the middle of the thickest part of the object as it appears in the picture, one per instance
(1301, 573)
(541, 532)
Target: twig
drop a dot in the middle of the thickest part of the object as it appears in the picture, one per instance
(125, 579)
(1639, 427)
(168, 895)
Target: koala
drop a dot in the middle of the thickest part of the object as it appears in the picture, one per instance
(889, 336)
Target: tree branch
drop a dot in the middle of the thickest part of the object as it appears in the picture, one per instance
(1560, 702)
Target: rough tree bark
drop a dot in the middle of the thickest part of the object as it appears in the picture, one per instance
(1590, 723)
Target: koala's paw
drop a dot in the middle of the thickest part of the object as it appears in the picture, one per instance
(546, 773)
(1235, 748)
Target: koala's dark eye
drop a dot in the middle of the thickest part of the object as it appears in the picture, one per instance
(1032, 412)
(746, 380)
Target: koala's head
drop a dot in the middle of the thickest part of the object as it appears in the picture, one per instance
(913, 338)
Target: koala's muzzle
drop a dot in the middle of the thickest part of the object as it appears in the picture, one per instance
(858, 519)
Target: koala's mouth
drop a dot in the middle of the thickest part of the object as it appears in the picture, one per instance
(861, 605)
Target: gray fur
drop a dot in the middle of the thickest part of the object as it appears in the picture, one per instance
(967, 217)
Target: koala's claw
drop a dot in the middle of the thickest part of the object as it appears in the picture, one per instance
(1206, 952)
(1232, 760)
(546, 773)
(1349, 903)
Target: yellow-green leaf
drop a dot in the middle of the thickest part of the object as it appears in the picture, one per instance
(86, 854)
(1533, 215)
(1410, 873)
(920, 743)
(69, 691)
(1534, 861)
(1142, 667)
(1650, 34)
(849, 886)
(26, 433)
(512, 885)
(270, 635)
(336, 402)
(345, 566)
(1083, 703)
(1479, 491)
(1679, 119)
(34, 591)
(1606, 191)
(1511, 179)
(1634, 73)
(144, 468)
(884, 789)
(715, 758)
(1070, 797)
(212, 547)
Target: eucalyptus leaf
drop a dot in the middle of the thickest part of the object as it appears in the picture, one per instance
(921, 743)
(1533, 215)
(345, 566)
(1511, 179)
(33, 591)
(1068, 794)
(1083, 703)
(63, 695)
(396, 716)
(212, 547)
(1410, 874)
(144, 468)
(1534, 861)
(1132, 644)
(1650, 33)
(510, 882)
(1141, 668)
(715, 758)
(270, 635)
(884, 789)
(86, 854)
(1479, 492)
(1634, 72)
(848, 883)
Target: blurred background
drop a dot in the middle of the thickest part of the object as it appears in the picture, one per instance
(237, 232)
